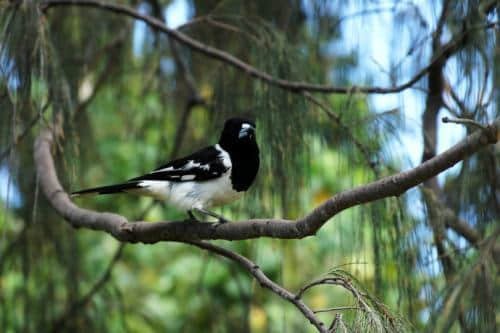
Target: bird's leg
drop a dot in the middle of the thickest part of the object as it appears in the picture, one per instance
(204, 211)
(192, 217)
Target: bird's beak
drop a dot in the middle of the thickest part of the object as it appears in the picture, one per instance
(248, 131)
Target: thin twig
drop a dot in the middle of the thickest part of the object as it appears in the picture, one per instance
(194, 97)
(263, 280)
(293, 86)
(463, 121)
(346, 284)
(326, 280)
(335, 117)
(213, 20)
(433, 103)
(338, 308)
(335, 323)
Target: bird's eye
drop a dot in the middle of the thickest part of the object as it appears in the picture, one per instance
(247, 130)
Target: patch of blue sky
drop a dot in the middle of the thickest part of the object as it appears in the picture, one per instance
(379, 44)
(176, 14)
(139, 33)
(167, 65)
(8, 190)
(7, 71)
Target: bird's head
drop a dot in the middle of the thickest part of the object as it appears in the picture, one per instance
(238, 132)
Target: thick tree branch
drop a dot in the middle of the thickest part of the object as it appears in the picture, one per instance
(229, 59)
(122, 229)
(434, 102)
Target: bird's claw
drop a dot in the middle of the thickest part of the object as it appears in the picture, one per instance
(222, 220)
(192, 218)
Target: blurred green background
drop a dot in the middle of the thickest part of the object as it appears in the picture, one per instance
(128, 99)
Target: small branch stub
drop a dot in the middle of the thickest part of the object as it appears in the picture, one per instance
(463, 121)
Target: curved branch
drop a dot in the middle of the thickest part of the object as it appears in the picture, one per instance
(123, 230)
(263, 280)
(293, 86)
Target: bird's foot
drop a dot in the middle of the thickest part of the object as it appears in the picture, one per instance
(192, 218)
(220, 219)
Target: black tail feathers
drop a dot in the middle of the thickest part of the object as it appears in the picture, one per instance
(108, 189)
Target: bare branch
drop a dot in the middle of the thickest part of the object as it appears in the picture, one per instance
(433, 103)
(458, 225)
(337, 308)
(193, 99)
(463, 121)
(440, 24)
(293, 86)
(336, 324)
(263, 280)
(455, 293)
(363, 300)
(214, 21)
(119, 227)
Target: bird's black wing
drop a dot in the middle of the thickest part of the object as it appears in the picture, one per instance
(205, 164)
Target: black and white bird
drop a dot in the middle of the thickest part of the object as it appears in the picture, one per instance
(210, 177)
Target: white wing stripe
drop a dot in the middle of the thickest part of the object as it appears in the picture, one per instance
(164, 169)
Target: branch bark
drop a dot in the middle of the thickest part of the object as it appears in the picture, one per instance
(229, 59)
(120, 228)
(434, 103)
(263, 280)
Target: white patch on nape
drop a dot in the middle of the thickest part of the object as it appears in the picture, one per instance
(188, 177)
(245, 125)
(224, 157)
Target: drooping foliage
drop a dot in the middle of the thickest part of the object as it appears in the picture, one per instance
(124, 98)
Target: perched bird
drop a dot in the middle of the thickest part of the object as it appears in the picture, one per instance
(210, 177)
